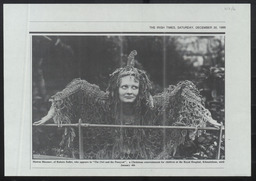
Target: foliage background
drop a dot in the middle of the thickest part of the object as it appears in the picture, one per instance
(56, 60)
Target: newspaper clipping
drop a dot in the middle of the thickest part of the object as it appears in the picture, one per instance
(130, 90)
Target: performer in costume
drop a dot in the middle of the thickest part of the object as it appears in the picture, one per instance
(128, 101)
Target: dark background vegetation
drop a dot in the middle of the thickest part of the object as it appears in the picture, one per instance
(167, 59)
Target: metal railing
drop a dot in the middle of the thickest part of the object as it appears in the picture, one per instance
(80, 125)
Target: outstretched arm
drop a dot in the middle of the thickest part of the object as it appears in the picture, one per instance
(51, 113)
(183, 105)
(192, 110)
(180, 105)
(79, 100)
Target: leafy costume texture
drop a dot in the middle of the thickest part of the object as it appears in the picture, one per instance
(179, 105)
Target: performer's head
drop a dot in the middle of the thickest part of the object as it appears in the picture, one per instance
(130, 85)
(128, 89)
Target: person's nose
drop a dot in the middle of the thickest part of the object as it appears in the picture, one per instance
(129, 90)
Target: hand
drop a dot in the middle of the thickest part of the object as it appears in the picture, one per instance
(41, 121)
(214, 123)
(49, 116)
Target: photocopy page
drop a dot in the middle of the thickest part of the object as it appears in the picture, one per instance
(127, 90)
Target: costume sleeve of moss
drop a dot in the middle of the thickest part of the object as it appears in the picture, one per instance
(182, 105)
(191, 110)
(179, 105)
(80, 99)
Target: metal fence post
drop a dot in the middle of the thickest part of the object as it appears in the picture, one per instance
(219, 144)
(81, 143)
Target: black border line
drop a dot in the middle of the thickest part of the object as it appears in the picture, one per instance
(97, 168)
(86, 21)
(45, 32)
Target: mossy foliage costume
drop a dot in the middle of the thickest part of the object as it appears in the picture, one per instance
(179, 105)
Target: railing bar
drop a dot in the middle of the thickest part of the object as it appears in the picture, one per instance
(134, 126)
(60, 125)
(143, 126)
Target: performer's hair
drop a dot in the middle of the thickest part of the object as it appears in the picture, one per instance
(143, 99)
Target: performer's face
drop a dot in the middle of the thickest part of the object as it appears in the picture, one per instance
(128, 89)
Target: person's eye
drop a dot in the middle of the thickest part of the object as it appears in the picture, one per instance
(124, 86)
(135, 87)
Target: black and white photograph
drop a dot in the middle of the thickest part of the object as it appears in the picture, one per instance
(128, 97)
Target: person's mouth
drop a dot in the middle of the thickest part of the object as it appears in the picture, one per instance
(129, 97)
